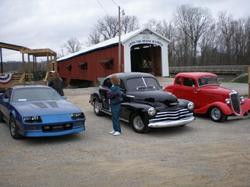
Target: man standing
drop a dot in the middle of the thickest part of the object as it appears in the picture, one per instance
(56, 82)
(115, 96)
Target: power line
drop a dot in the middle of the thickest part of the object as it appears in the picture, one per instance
(102, 7)
(115, 3)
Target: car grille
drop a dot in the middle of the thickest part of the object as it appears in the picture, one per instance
(235, 102)
(171, 115)
(55, 128)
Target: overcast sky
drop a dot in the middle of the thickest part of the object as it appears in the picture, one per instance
(50, 23)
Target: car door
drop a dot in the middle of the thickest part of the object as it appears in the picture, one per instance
(103, 90)
(177, 87)
(189, 90)
(124, 110)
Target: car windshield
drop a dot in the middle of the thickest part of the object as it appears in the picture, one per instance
(142, 84)
(208, 81)
(34, 94)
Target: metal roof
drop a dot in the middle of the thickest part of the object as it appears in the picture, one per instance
(109, 43)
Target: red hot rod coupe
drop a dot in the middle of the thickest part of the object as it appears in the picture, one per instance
(208, 96)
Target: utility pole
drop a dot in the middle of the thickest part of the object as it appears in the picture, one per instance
(1, 59)
(119, 43)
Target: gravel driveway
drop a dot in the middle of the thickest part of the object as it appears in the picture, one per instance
(203, 153)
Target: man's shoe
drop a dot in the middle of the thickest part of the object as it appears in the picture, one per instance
(112, 132)
(116, 133)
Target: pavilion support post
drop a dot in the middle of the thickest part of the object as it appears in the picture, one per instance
(1, 59)
(23, 65)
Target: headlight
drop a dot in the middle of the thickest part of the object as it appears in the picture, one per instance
(151, 111)
(77, 115)
(32, 119)
(242, 99)
(227, 101)
(190, 105)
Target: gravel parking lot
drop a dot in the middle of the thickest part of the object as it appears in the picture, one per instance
(203, 153)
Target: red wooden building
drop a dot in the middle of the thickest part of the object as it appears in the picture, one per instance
(142, 51)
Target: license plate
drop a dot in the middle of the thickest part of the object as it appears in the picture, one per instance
(57, 127)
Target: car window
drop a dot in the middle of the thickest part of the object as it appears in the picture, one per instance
(134, 83)
(142, 84)
(208, 81)
(188, 82)
(178, 80)
(107, 83)
(34, 94)
(152, 83)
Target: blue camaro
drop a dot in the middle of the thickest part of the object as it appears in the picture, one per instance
(36, 110)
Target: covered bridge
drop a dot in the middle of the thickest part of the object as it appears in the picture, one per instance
(142, 50)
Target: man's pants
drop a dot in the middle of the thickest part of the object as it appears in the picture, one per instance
(116, 110)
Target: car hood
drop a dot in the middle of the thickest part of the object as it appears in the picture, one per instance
(154, 96)
(45, 107)
(218, 90)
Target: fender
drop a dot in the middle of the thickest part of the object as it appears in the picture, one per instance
(223, 106)
(245, 106)
(96, 94)
(137, 106)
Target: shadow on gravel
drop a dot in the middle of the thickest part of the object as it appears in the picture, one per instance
(230, 120)
(171, 131)
(56, 139)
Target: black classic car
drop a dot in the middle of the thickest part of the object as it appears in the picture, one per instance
(145, 105)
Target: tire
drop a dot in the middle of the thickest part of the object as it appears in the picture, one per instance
(97, 106)
(14, 129)
(138, 124)
(217, 115)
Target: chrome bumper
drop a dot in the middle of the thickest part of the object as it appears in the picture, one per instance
(171, 123)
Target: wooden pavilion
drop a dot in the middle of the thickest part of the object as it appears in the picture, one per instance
(29, 67)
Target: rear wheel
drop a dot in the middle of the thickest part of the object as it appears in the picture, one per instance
(14, 129)
(138, 124)
(217, 115)
(1, 117)
(97, 107)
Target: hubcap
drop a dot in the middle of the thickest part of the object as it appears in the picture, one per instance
(138, 123)
(97, 107)
(215, 113)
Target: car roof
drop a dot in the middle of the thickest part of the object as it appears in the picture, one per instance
(129, 75)
(195, 75)
(29, 86)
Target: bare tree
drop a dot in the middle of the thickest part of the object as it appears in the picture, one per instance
(107, 28)
(72, 45)
(193, 23)
(94, 37)
(129, 23)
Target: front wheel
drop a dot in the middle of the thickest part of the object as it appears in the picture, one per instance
(97, 107)
(217, 115)
(14, 129)
(138, 124)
